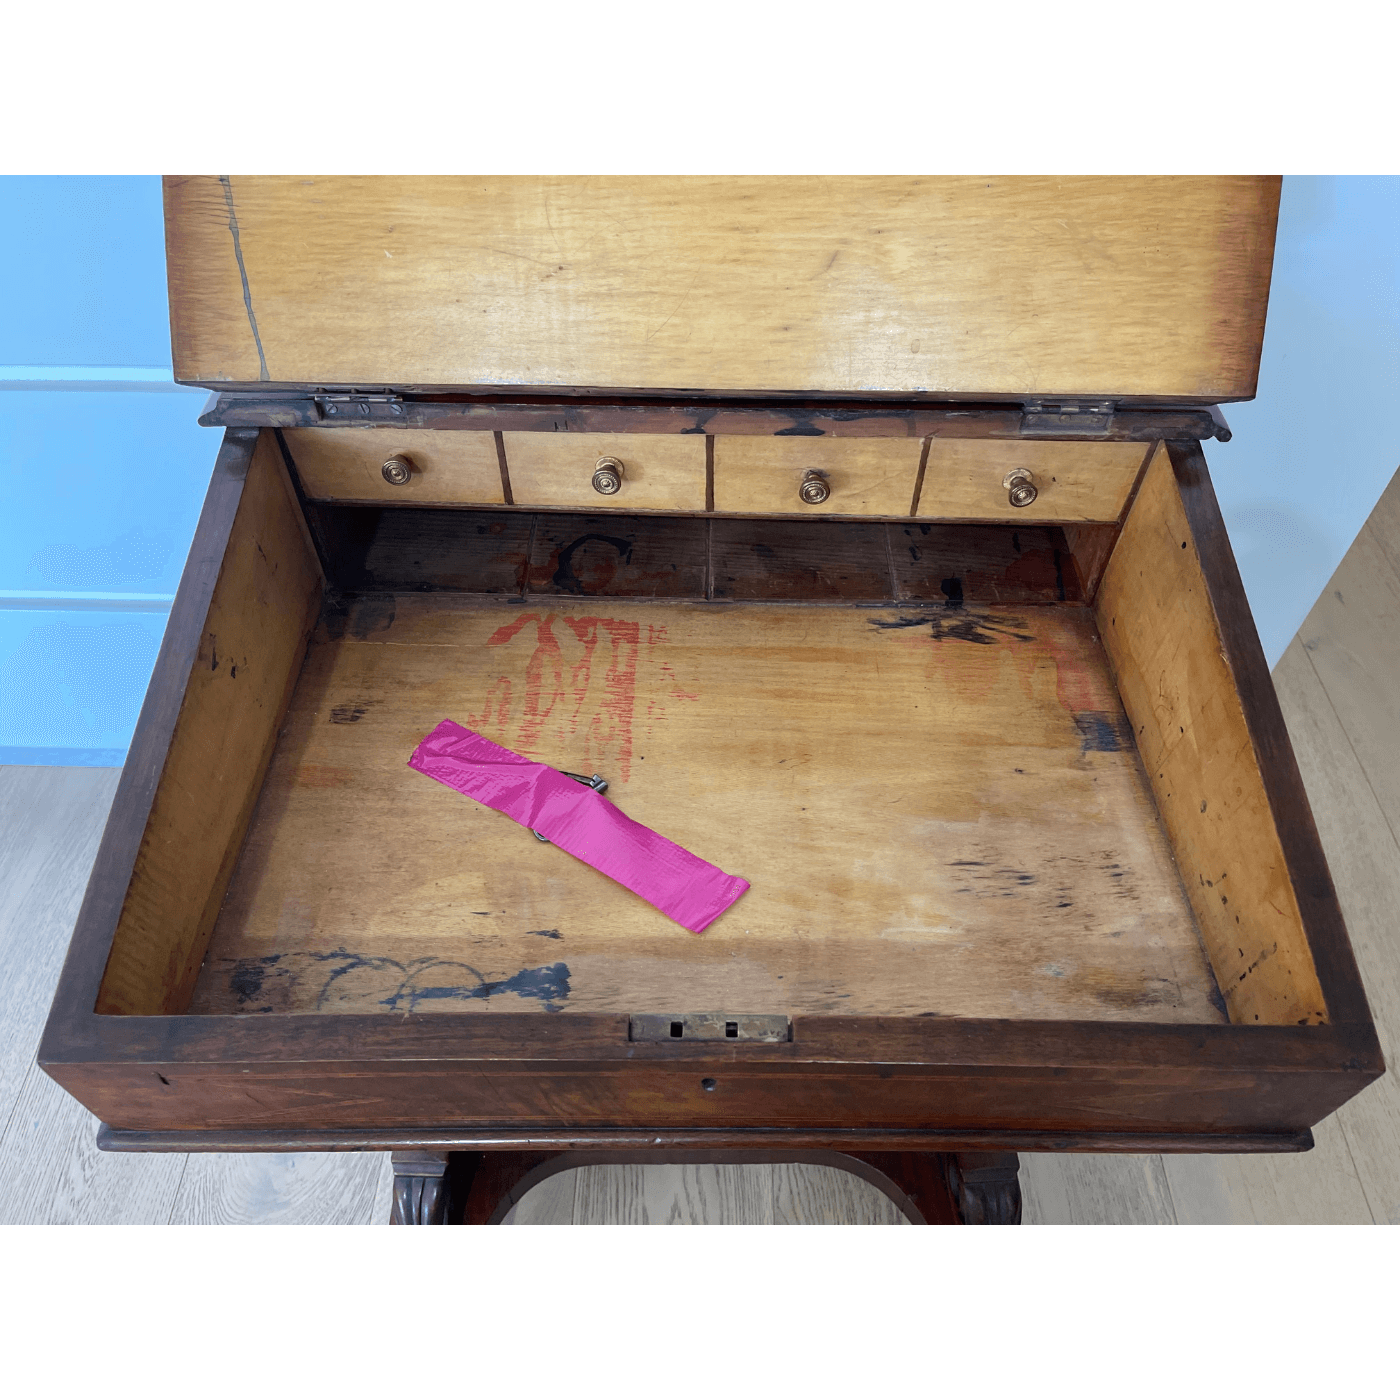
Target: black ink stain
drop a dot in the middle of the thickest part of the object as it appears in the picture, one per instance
(545, 932)
(243, 273)
(952, 589)
(1102, 732)
(546, 984)
(564, 576)
(350, 713)
(246, 979)
(981, 630)
(334, 615)
(375, 614)
(1213, 994)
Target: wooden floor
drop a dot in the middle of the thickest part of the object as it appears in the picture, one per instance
(1339, 684)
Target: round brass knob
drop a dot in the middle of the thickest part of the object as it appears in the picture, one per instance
(1020, 487)
(814, 489)
(397, 470)
(607, 476)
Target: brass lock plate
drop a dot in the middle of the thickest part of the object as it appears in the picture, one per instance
(709, 1025)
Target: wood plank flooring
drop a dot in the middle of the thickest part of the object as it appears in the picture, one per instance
(1339, 684)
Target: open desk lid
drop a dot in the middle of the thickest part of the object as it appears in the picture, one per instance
(1128, 288)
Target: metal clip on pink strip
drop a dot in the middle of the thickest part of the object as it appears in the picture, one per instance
(580, 821)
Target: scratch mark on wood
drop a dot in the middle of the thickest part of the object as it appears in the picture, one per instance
(227, 183)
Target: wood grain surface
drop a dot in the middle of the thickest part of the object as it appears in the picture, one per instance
(782, 1194)
(378, 549)
(1075, 481)
(866, 476)
(53, 1173)
(1015, 868)
(660, 471)
(346, 464)
(1159, 627)
(284, 1188)
(50, 822)
(266, 599)
(1040, 285)
(50, 1169)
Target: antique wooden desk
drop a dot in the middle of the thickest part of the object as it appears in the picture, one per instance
(859, 533)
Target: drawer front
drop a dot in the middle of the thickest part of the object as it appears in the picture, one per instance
(964, 479)
(347, 464)
(659, 471)
(865, 476)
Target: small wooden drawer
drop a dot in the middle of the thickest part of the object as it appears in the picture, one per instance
(659, 471)
(865, 476)
(347, 464)
(965, 479)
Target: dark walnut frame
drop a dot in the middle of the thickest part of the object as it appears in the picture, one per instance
(478, 1108)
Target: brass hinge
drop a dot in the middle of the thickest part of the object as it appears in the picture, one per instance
(360, 408)
(1091, 418)
(711, 1025)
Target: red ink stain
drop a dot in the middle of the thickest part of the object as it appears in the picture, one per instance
(1078, 686)
(543, 675)
(609, 727)
(592, 695)
(675, 692)
(503, 634)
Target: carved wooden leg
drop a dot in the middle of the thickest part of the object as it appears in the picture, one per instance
(420, 1188)
(985, 1187)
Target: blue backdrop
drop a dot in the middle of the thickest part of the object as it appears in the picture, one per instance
(104, 468)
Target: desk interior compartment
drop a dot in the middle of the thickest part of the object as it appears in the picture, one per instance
(996, 771)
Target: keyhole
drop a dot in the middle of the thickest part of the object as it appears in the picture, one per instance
(677, 1029)
(731, 1029)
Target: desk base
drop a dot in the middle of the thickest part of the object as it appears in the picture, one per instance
(930, 1188)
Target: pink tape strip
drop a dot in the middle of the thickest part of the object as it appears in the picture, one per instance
(576, 819)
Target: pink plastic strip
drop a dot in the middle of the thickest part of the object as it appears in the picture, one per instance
(580, 821)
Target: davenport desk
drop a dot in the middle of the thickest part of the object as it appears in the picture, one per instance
(858, 532)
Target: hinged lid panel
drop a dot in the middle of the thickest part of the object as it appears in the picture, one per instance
(1111, 288)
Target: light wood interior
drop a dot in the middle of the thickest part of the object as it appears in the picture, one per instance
(1159, 627)
(263, 609)
(866, 476)
(937, 796)
(660, 471)
(1075, 481)
(1084, 286)
(347, 464)
(940, 812)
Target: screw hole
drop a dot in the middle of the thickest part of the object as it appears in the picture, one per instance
(677, 1029)
(709, 1085)
(731, 1029)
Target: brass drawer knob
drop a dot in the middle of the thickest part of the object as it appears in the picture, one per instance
(1020, 487)
(814, 489)
(397, 470)
(607, 476)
